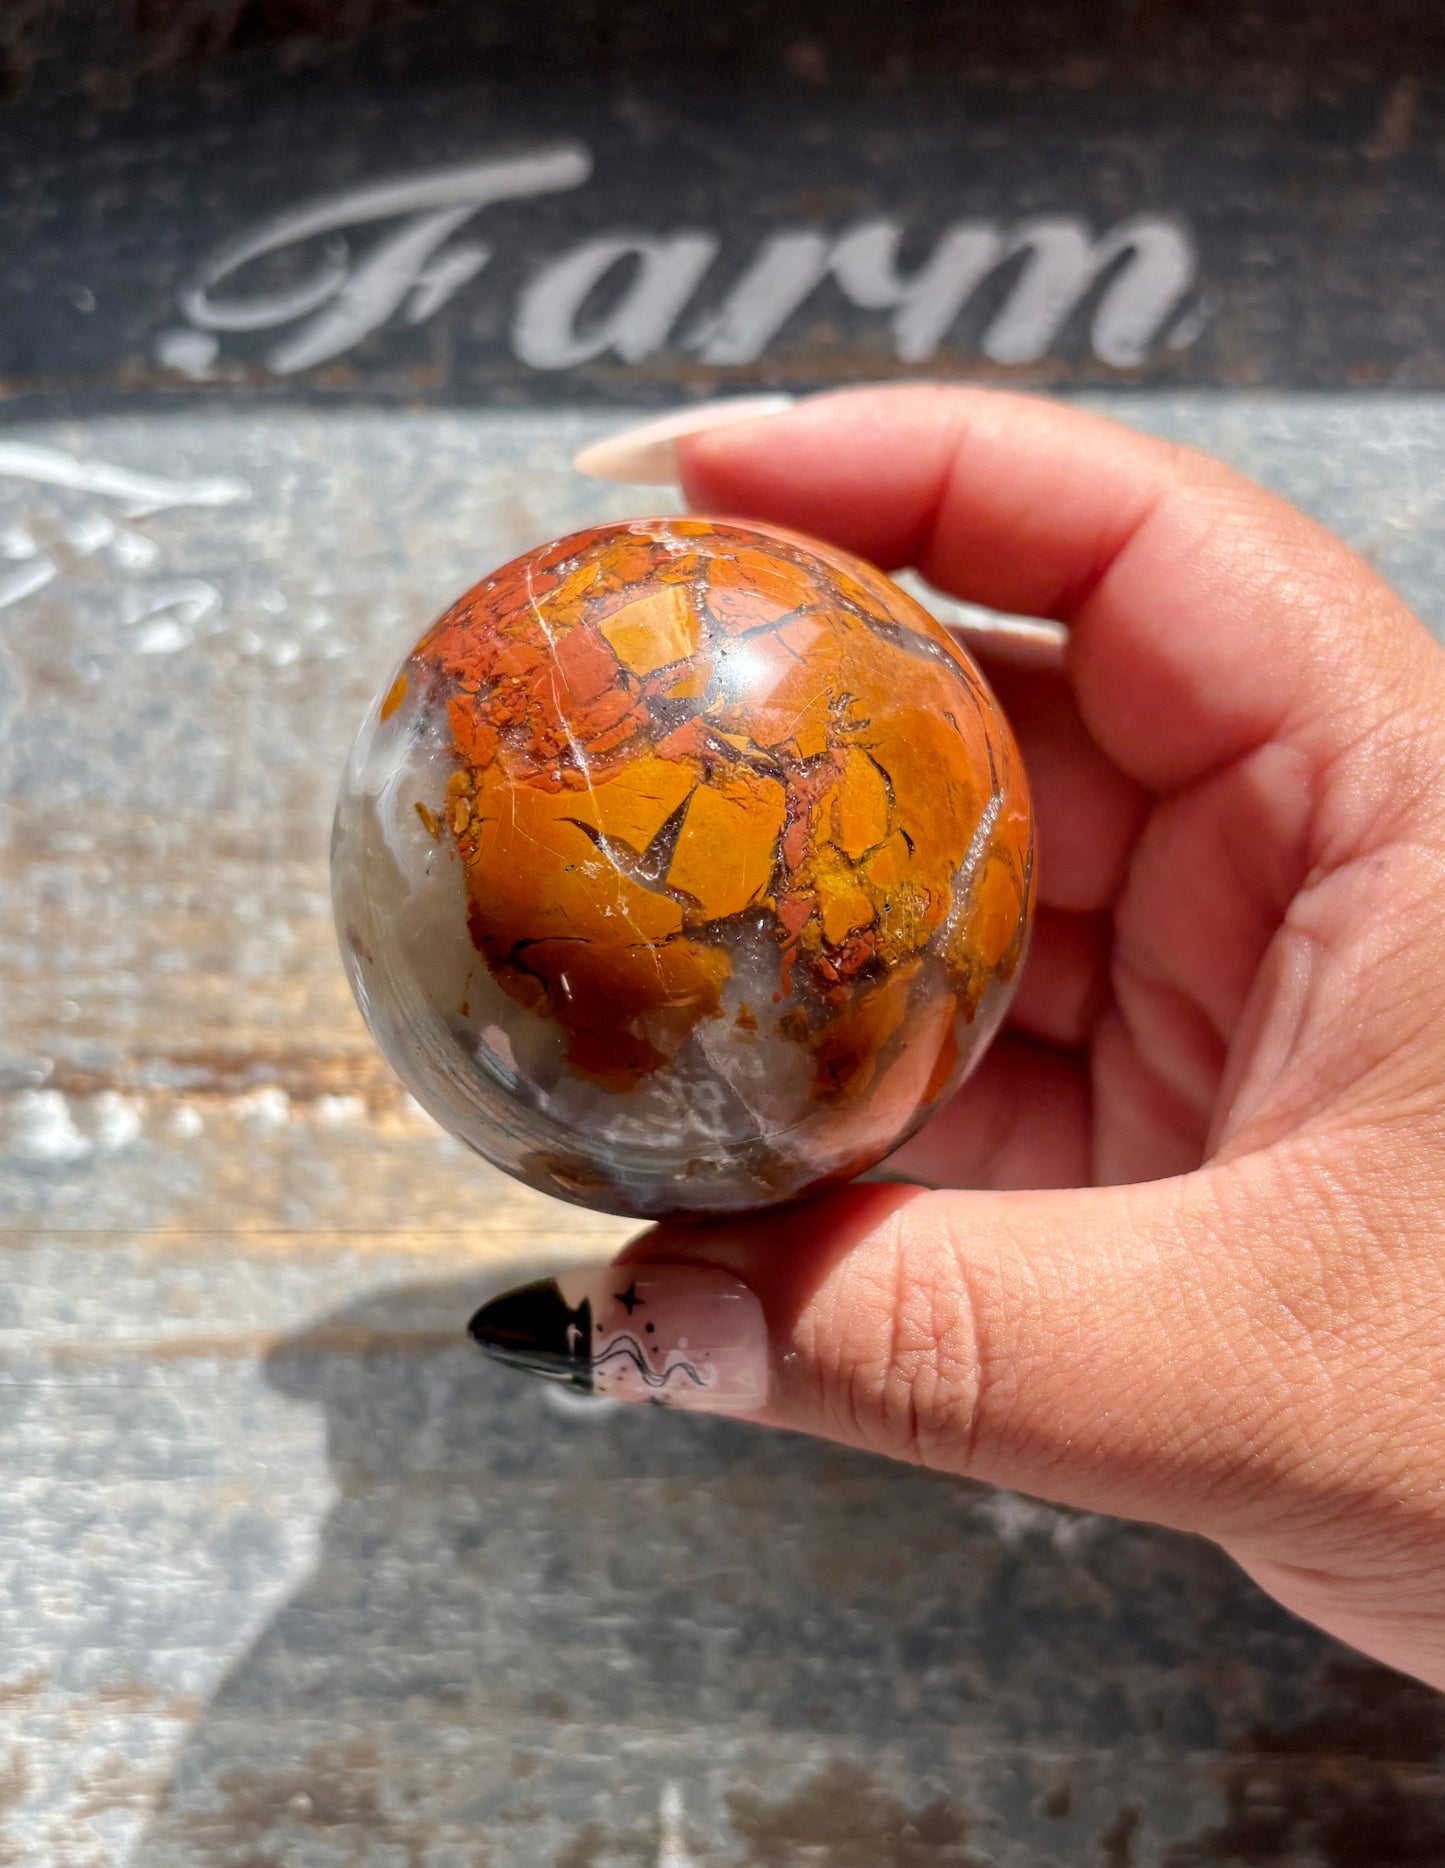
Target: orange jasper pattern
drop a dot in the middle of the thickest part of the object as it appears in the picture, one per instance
(742, 850)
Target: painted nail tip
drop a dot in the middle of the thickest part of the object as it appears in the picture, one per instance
(646, 455)
(528, 1329)
(500, 1316)
(654, 464)
(686, 1336)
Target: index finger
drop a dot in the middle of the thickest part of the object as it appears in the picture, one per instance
(1207, 617)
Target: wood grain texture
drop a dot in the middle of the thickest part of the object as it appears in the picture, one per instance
(288, 1575)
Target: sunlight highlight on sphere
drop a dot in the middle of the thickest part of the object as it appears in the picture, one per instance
(683, 866)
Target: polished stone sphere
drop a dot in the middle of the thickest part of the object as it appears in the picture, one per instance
(683, 867)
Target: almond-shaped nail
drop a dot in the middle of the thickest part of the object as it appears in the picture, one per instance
(684, 1336)
(647, 456)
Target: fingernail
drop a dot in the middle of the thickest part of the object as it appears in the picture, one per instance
(685, 1336)
(647, 456)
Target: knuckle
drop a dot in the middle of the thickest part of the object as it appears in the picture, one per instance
(898, 1366)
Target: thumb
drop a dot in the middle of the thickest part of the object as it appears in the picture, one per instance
(1095, 1347)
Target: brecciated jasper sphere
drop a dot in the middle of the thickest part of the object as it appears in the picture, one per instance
(683, 866)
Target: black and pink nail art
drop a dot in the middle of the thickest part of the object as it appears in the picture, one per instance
(684, 1336)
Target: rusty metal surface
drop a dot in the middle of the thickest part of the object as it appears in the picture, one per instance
(288, 1577)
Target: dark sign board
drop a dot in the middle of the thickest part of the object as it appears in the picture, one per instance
(586, 201)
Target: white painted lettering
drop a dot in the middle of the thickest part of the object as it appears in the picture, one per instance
(624, 293)
(865, 264)
(788, 267)
(1064, 263)
(342, 303)
(665, 274)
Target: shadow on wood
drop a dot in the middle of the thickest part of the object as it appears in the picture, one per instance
(548, 1631)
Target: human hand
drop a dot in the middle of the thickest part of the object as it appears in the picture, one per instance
(1199, 1278)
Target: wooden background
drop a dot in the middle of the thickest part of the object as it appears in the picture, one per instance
(288, 1576)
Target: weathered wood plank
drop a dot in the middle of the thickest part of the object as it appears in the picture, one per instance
(285, 1574)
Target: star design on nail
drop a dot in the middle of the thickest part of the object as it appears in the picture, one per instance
(629, 1299)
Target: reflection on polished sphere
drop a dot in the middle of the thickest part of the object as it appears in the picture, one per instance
(683, 867)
